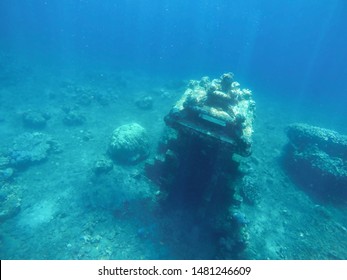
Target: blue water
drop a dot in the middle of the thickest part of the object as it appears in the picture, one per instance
(290, 44)
(96, 57)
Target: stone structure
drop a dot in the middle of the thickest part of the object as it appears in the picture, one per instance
(194, 167)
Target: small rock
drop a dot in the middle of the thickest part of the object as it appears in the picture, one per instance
(144, 103)
(35, 119)
(239, 218)
(6, 174)
(74, 118)
(102, 166)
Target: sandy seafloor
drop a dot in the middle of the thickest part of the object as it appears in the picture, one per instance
(68, 214)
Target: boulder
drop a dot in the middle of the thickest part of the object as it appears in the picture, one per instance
(129, 144)
(316, 158)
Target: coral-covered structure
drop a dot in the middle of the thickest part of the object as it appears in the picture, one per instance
(218, 110)
(194, 167)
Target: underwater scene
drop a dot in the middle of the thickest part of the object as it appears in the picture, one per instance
(172, 129)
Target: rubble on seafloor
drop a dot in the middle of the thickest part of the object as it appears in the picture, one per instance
(194, 166)
(31, 148)
(10, 201)
(27, 149)
(316, 158)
